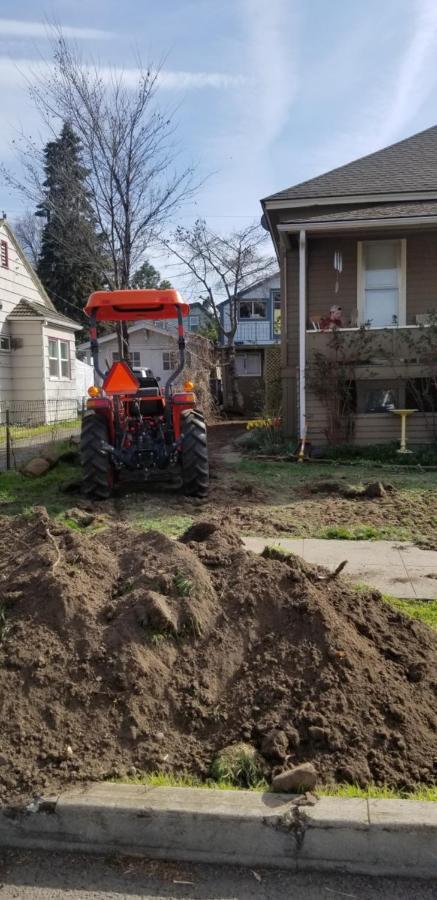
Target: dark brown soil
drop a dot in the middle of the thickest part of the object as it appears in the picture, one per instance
(125, 648)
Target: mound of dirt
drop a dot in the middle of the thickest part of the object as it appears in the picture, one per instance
(125, 651)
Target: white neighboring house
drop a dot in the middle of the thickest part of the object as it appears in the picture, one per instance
(37, 346)
(150, 346)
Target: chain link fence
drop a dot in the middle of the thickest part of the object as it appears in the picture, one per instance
(27, 427)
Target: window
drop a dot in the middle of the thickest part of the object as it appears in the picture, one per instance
(276, 300)
(5, 343)
(170, 360)
(377, 396)
(4, 255)
(59, 358)
(193, 322)
(134, 358)
(381, 283)
(252, 309)
(248, 364)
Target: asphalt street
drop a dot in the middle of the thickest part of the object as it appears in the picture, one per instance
(46, 876)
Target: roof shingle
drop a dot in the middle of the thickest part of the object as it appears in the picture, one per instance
(30, 309)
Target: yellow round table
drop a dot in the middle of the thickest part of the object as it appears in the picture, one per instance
(403, 414)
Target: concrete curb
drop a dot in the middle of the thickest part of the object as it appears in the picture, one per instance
(378, 837)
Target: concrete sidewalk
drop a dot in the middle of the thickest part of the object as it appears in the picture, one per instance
(393, 567)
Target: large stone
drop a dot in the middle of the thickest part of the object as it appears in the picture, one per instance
(298, 779)
(35, 467)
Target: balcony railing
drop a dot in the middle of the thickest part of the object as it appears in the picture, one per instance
(389, 350)
(256, 333)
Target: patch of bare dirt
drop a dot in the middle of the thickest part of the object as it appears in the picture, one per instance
(126, 649)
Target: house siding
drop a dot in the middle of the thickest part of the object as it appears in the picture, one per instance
(421, 297)
(27, 361)
(150, 344)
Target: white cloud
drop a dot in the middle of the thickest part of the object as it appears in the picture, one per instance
(395, 100)
(415, 78)
(18, 28)
(14, 72)
(271, 57)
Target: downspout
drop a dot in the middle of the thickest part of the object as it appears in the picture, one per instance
(302, 331)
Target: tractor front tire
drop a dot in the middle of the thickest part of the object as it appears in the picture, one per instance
(97, 469)
(195, 468)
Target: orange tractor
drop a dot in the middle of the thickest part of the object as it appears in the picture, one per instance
(132, 424)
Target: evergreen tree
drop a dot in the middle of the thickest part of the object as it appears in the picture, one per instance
(70, 260)
(149, 277)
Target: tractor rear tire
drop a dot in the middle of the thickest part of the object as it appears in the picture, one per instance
(195, 468)
(97, 469)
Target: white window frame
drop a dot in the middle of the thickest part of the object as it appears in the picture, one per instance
(132, 354)
(170, 360)
(5, 338)
(361, 300)
(59, 359)
(244, 356)
(194, 324)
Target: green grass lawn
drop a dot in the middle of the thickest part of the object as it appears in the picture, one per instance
(184, 780)
(27, 432)
(293, 474)
(424, 610)
(19, 494)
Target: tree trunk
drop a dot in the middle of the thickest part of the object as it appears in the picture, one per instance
(232, 398)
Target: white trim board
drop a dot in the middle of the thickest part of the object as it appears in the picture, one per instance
(342, 199)
(356, 224)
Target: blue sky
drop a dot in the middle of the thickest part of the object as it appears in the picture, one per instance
(267, 92)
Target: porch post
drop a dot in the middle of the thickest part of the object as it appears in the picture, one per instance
(302, 330)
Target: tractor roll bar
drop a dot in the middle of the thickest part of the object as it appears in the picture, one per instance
(95, 345)
(174, 375)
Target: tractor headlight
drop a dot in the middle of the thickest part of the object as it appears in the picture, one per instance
(94, 391)
(188, 386)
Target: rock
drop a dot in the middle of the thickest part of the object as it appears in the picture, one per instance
(51, 455)
(36, 467)
(75, 440)
(275, 744)
(69, 751)
(299, 779)
(374, 489)
(160, 736)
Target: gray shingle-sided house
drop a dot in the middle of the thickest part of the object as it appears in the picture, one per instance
(37, 344)
(257, 342)
(362, 237)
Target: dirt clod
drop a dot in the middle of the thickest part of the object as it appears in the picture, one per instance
(113, 640)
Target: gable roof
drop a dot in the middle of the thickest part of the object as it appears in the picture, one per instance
(407, 166)
(254, 286)
(29, 309)
(38, 284)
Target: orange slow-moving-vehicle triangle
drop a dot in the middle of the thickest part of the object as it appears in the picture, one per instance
(120, 380)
